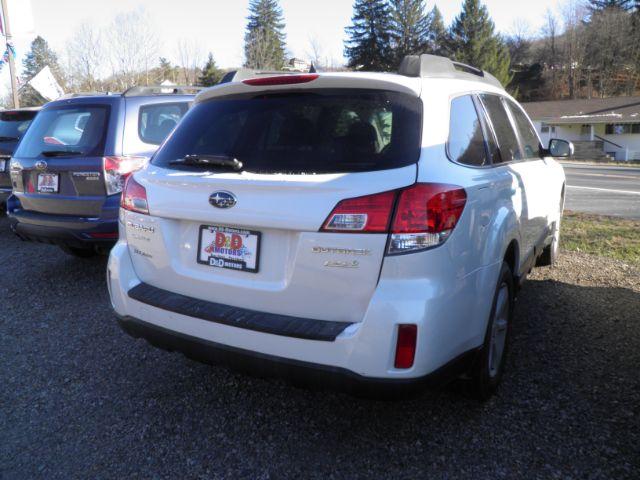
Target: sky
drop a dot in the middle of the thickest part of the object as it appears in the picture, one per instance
(218, 25)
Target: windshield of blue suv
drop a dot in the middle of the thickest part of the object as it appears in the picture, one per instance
(78, 129)
(13, 124)
(319, 131)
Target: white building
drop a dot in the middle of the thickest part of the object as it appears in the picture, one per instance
(599, 127)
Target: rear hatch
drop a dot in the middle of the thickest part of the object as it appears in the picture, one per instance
(252, 236)
(60, 160)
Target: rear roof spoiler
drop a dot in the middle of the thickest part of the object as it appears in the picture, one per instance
(434, 66)
(247, 73)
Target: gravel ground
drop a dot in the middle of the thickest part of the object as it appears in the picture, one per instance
(81, 399)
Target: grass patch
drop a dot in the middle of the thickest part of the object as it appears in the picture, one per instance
(601, 235)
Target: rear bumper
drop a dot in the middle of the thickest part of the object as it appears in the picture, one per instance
(298, 372)
(63, 230)
(358, 358)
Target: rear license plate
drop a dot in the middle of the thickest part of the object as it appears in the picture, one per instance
(232, 248)
(48, 182)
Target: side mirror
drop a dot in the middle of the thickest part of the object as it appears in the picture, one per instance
(560, 148)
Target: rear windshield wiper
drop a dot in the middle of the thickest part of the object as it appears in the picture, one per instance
(8, 139)
(60, 153)
(209, 160)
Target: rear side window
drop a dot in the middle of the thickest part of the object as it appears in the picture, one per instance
(507, 139)
(14, 124)
(80, 129)
(528, 136)
(466, 141)
(317, 131)
(158, 120)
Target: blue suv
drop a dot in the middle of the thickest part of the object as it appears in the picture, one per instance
(68, 172)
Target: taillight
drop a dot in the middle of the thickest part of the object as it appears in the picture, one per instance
(117, 169)
(425, 216)
(281, 80)
(368, 214)
(134, 197)
(406, 345)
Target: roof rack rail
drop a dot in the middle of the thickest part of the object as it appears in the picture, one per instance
(161, 90)
(246, 73)
(434, 66)
(83, 94)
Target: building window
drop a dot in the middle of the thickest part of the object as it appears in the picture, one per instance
(544, 128)
(622, 128)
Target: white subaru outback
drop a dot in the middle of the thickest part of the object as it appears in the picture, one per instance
(362, 230)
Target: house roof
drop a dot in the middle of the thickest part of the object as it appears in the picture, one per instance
(586, 111)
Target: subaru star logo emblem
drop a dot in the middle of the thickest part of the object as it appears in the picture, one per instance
(222, 199)
(41, 165)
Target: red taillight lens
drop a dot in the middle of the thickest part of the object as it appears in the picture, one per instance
(406, 345)
(368, 214)
(116, 170)
(425, 216)
(281, 80)
(134, 197)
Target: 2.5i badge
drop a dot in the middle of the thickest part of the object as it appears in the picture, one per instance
(226, 247)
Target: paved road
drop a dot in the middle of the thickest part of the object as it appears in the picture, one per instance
(606, 190)
(80, 399)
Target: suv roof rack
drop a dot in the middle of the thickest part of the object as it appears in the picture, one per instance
(83, 94)
(434, 66)
(246, 73)
(161, 90)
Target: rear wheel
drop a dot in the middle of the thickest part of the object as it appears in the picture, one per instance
(78, 252)
(488, 369)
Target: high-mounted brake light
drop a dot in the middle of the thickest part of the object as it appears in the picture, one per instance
(134, 197)
(118, 168)
(281, 80)
(368, 214)
(406, 345)
(425, 215)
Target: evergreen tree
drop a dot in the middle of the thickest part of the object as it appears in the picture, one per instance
(369, 43)
(472, 40)
(211, 74)
(166, 71)
(39, 56)
(599, 5)
(437, 37)
(409, 28)
(264, 40)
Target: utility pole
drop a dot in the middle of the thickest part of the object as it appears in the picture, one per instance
(12, 65)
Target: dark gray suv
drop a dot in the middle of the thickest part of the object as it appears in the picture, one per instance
(68, 172)
(13, 125)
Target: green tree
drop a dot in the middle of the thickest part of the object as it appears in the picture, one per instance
(211, 74)
(264, 40)
(166, 71)
(409, 28)
(598, 5)
(472, 40)
(437, 37)
(39, 56)
(369, 43)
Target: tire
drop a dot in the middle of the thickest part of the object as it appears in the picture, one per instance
(78, 252)
(488, 369)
